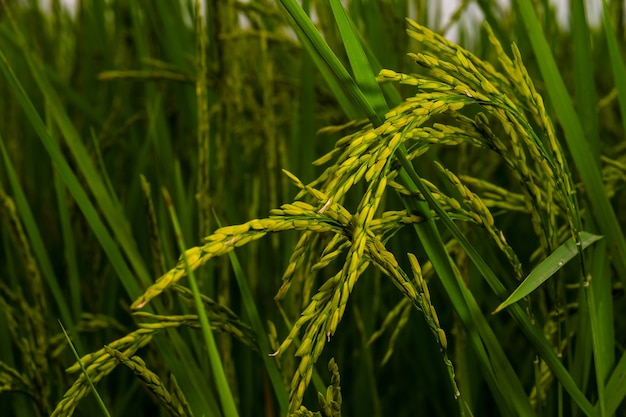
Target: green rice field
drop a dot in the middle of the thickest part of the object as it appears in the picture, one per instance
(312, 208)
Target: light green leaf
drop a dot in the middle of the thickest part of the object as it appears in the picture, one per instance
(548, 267)
(617, 64)
(364, 74)
(345, 89)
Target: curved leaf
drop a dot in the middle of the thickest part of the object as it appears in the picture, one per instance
(548, 267)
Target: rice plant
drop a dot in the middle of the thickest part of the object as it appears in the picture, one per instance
(311, 208)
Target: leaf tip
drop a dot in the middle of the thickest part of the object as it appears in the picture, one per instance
(499, 308)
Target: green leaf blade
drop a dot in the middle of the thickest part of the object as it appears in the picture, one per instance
(548, 267)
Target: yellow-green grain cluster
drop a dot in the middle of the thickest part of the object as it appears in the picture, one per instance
(510, 104)
(330, 402)
(339, 239)
(152, 382)
(301, 216)
(102, 362)
(98, 365)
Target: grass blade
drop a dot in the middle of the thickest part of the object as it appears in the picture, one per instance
(343, 85)
(617, 63)
(364, 73)
(601, 323)
(583, 72)
(223, 389)
(615, 389)
(280, 390)
(69, 178)
(101, 404)
(548, 267)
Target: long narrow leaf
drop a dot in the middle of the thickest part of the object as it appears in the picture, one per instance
(364, 74)
(615, 389)
(617, 62)
(69, 178)
(226, 398)
(329, 64)
(583, 73)
(108, 204)
(280, 390)
(548, 267)
(601, 321)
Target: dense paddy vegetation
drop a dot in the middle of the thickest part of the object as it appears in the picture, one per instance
(237, 210)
